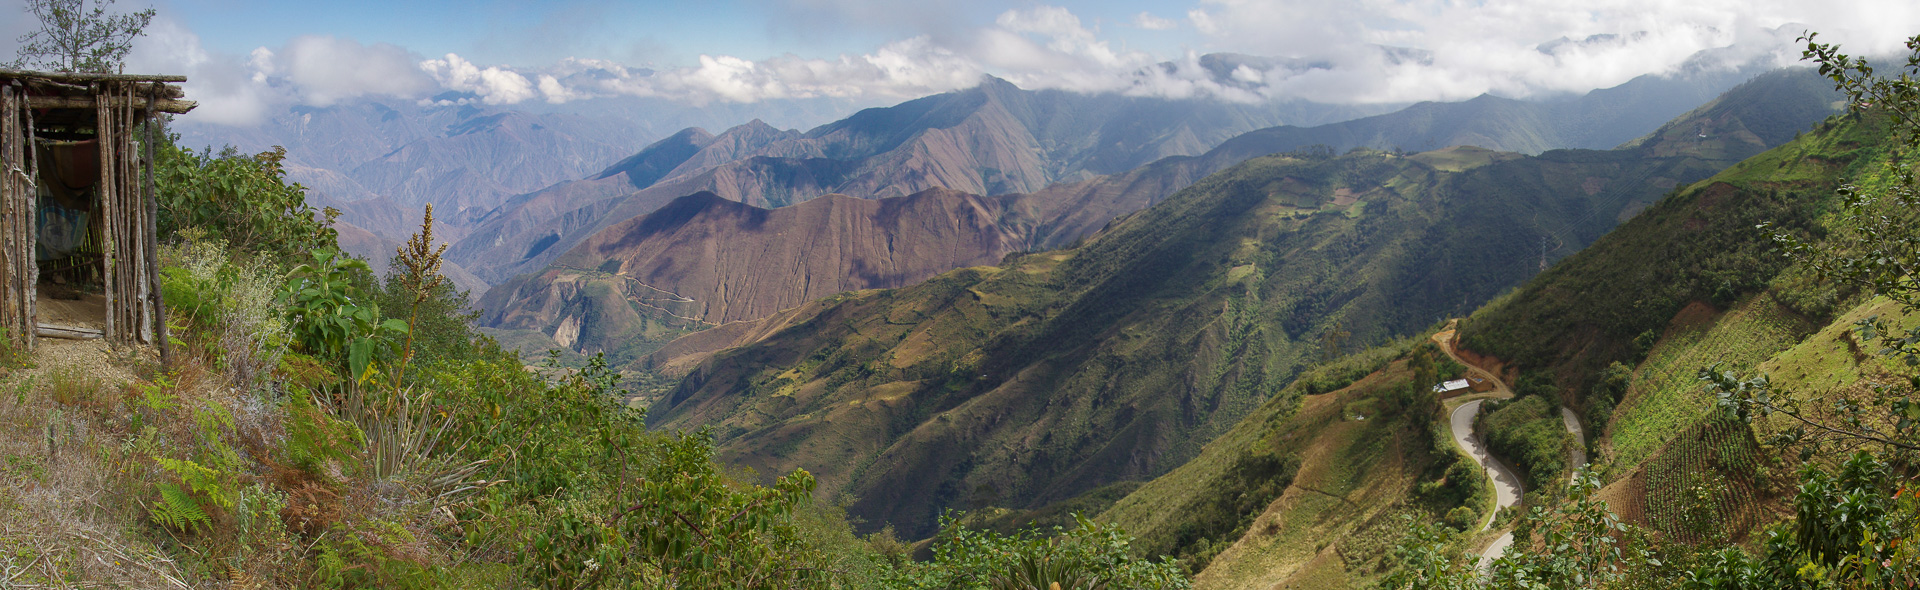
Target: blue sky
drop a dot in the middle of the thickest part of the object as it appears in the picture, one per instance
(250, 57)
(529, 34)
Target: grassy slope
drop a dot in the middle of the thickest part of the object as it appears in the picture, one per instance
(1723, 299)
(1588, 310)
(1360, 463)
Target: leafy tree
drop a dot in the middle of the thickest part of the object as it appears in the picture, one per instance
(1876, 247)
(76, 37)
(1427, 559)
(242, 199)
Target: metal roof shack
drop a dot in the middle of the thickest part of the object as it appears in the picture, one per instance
(77, 208)
(1451, 386)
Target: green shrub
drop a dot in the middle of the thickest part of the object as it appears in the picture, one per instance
(1462, 518)
(241, 199)
(1528, 432)
(1090, 555)
(227, 309)
(328, 319)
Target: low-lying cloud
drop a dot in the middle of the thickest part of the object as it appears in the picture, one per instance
(1336, 52)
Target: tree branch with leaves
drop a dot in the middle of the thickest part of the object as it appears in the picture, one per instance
(80, 36)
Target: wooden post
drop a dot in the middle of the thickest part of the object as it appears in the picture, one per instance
(10, 287)
(109, 215)
(152, 229)
(30, 197)
(141, 234)
(16, 221)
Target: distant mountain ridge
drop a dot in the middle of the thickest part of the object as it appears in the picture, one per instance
(380, 160)
(997, 139)
(991, 139)
(1050, 218)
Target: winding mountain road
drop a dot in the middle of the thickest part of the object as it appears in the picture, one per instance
(1506, 484)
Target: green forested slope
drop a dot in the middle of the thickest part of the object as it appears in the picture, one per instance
(1612, 301)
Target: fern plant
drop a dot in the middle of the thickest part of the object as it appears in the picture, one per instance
(313, 437)
(203, 480)
(178, 510)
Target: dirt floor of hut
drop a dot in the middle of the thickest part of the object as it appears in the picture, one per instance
(88, 311)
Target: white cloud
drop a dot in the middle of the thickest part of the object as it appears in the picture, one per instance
(325, 69)
(556, 92)
(1343, 52)
(227, 93)
(1153, 23)
(494, 85)
(910, 67)
(312, 70)
(1522, 47)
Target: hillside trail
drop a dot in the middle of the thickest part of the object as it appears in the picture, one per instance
(1506, 484)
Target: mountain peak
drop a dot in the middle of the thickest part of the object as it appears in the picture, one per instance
(998, 89)
(657, 159)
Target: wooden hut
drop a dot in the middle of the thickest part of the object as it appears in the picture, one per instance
(77, 206)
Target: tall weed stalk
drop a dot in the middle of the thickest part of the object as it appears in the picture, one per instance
(406, 435)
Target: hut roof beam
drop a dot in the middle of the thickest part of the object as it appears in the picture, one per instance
(85, 77)
(177, 107)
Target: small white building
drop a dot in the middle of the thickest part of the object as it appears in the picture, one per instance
(1450, 386)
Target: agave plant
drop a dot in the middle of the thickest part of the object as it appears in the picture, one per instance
(1040, 571)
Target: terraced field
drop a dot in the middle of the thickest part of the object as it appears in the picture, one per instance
(1707, 485)
(1665, 397)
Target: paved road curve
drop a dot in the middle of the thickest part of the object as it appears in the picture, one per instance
(1506, 484)
(1579, 442)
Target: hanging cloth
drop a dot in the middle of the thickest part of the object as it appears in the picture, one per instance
(62, 231)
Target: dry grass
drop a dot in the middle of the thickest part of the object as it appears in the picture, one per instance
(64, 502)
(79, 434)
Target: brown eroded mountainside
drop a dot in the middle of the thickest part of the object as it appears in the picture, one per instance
(705, 260)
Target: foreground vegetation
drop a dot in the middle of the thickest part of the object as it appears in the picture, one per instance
(322, 427)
